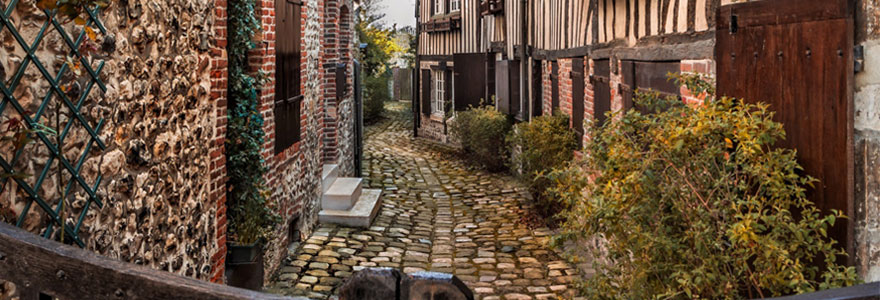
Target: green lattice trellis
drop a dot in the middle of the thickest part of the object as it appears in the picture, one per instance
(75, 115)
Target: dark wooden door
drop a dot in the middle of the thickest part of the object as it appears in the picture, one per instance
(288, 94)
(577, 97)
(426, 92)
(470, 79)
(796, 55)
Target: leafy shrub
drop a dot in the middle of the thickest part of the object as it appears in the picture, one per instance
(695, 202)
(481, 132)
(544, 144)
(375, 95)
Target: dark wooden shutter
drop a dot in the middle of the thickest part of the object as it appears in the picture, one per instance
(628, 87)
(426, 92)
(554, 86)
(601, 90)
(447, 87)
(537, 88)
(490, 78)
(577, 97)
(470, 80)
(288, 95)
(515, 82)
(502, 86)
(797, 56)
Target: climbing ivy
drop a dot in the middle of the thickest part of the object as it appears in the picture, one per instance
(250, 215)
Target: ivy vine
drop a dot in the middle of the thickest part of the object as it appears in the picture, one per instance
(250, 215)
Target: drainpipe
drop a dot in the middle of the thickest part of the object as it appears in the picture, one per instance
(417, 83)
(524, 103)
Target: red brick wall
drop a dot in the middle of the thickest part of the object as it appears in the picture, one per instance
(219, 77)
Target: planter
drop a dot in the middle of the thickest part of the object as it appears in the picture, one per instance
(243, 253)
(244, 266)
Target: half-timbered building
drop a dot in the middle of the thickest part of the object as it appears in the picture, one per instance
(810, 60)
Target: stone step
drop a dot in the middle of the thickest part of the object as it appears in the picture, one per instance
(360, 215)
(331, 172)
(342, 194)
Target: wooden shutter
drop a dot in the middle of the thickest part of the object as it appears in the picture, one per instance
(490, 78)
(447, 88)
(601, 90)
(537, 88)
(577, 97)
(515, 81)
(554, 86)
(470, 80)
(426, 92)
(628, 87)
(288, 94)
(502, 86)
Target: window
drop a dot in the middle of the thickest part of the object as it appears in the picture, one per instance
(438, 7)
(439, 94)
(454, 5)
(288, 94)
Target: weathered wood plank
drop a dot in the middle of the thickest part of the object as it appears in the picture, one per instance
(37, 264)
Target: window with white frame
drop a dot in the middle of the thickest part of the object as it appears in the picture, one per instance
(439, 94)
(454, 5)
(438, 7)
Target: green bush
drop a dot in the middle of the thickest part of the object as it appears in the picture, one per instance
(544, 144)
(375, 95)
(481, 132)
(694, 202)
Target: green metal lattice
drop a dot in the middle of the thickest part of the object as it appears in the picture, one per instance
(75, 115)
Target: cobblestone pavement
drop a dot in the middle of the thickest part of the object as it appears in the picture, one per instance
(438, 214)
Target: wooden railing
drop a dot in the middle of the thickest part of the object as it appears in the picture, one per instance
(44, 269)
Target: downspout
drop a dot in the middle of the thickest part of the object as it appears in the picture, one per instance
(524, 98)
(417, 83)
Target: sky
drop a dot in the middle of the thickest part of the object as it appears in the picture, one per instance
(401, 12)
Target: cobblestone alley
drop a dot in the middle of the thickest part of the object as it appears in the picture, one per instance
(438, 215)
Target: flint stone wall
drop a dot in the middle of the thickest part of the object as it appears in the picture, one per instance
(159, 199)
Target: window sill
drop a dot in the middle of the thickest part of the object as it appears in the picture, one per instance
(436, 117)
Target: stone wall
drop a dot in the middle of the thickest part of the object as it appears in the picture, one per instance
(867, 143)
(165, 77)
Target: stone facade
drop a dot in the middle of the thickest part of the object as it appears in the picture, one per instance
(165, 112)
(867, 143)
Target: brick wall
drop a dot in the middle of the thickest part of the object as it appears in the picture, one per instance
(219, 78)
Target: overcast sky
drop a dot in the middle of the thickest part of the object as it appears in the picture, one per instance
(401, 12)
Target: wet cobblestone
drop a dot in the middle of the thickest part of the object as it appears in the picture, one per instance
(439, 214)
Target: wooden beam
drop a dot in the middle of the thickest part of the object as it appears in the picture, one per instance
(38, 265)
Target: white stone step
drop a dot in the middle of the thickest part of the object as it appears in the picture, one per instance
(342, 194)
(360, 215)
(331, 172)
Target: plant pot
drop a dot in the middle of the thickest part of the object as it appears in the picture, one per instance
(244, 266)
(243, 253)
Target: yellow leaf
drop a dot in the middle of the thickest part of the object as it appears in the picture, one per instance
(46, 4)
(729, 142)
(91, 33)
(79, 21)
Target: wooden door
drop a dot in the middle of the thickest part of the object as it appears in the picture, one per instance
(577, 97)
(796, 55)
(470, 80)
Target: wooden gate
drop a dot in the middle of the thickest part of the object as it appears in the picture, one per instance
(796, 55)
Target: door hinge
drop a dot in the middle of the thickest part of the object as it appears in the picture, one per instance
(859, 58)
